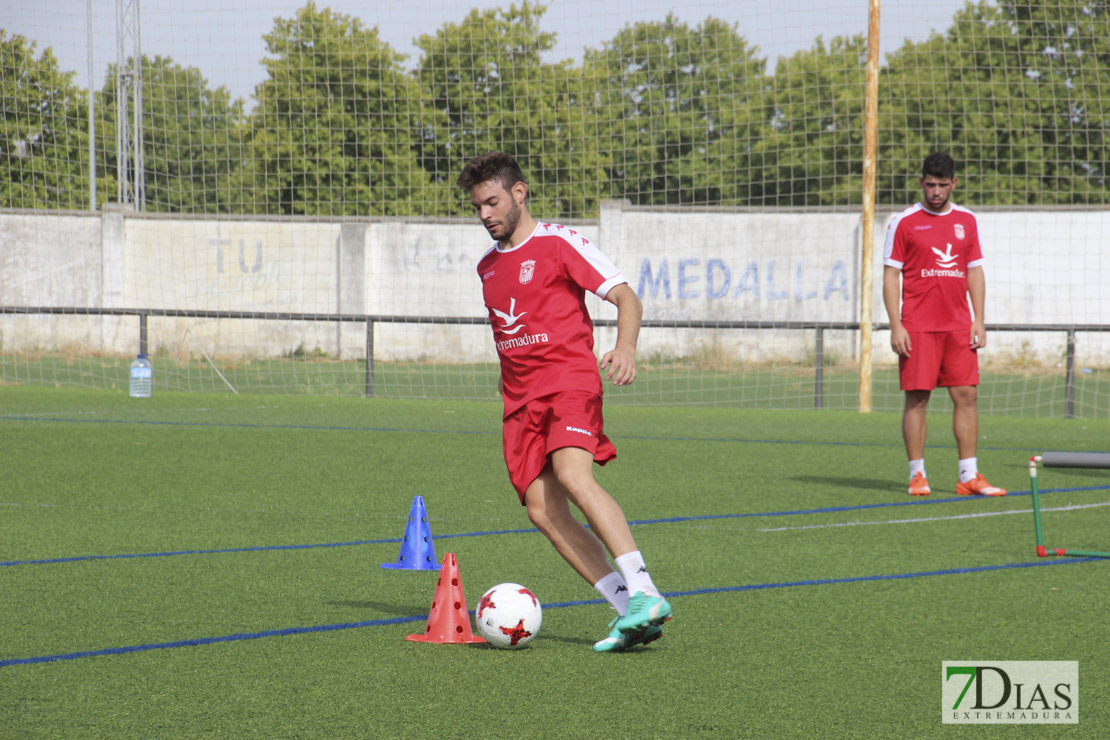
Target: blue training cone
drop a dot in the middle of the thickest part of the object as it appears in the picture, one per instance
(417, 550)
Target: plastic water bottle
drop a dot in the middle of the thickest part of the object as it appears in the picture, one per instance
(142, 377)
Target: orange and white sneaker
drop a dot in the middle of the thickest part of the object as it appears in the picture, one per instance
(978, 486)
(919, 486)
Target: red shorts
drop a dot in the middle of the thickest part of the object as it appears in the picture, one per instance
(939, 358)
(534, 431)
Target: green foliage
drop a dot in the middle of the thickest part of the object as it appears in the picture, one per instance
(1017, 93)
(302, 353)
(812, 150)
(679, 111)
(43, 130)
(664, 113)
(489, 89)
(335, 129)
(191, 138)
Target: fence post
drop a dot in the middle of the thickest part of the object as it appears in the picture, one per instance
(867, 218)
(142, 334)
(369, 358)
(819, 372)
(1069, 383)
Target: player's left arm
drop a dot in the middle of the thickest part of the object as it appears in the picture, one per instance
(621, 360)
(977, 289)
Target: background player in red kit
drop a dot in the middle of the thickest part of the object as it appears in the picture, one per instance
(934, 246)
(534, 280)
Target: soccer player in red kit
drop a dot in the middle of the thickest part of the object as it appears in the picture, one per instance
(934, 247)
(534, 280)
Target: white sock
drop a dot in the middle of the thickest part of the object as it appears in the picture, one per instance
(917, 466)
(636, 573)
(969, 468)
(613, 588)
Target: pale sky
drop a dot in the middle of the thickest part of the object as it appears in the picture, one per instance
(223, 38)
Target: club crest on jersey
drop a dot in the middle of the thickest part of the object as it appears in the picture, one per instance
(527, 270)
(959, 229)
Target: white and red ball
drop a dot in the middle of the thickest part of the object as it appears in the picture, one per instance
(508, 616)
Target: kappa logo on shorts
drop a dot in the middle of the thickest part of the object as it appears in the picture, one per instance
(587, 432)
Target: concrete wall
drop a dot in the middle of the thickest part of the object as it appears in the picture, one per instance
(1042, 267)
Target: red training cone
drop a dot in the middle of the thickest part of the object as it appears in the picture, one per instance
(448, 621)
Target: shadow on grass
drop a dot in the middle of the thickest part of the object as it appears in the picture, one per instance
(548, 637)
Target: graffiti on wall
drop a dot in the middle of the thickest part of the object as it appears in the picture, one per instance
(715, 279)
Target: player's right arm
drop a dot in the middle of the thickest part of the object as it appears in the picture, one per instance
(892, 298)
(893, 257)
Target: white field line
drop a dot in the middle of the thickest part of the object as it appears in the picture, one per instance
(938, 518)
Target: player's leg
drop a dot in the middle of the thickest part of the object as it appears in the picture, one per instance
(575, 441)
(548, 510)
(914, 424)
(965, 418)
(960, 373)
(965, 426)
(573, 468)
(525, 442)
(917, 376)
(914, 429)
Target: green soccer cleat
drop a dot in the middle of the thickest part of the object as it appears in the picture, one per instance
(643, 611)
(617, 641)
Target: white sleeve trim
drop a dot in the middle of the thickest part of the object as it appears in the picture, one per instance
(891, 230)
(604, 288)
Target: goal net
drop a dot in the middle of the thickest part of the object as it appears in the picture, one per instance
(260, 195)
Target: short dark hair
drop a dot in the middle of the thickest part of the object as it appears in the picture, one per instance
(491, 166)
(939, 164)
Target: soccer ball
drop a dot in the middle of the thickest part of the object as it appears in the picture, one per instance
(508, 616)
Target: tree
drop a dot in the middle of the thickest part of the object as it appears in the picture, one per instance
(43, 130)
(190, 138)
(489, 89)
(679, 111)
(336, 125)
(812, 149)
(1018, 93)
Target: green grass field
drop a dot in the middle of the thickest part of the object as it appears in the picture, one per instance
(1006, 389)
(207, 565)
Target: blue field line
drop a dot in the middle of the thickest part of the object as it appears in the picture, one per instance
(556, 605)
(635, 522)
(259, 548)
(208, 641)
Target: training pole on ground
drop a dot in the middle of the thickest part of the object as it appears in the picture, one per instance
(1099, 460)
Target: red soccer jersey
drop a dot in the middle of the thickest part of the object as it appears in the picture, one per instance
(535, 294)
(934, 251)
